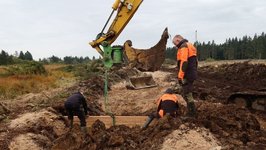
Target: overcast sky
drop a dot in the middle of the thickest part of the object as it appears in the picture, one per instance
(64, 27)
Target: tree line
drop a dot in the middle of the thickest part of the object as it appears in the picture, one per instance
(7, 59)
(66, 60)
(234, 48)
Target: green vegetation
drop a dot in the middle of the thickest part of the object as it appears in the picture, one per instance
(5, 59)
(31, 77)
(85, 70)
(26, 56)
(26, 68)
(19, 74)
(65, 60)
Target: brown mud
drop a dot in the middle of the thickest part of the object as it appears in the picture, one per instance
(217, 83)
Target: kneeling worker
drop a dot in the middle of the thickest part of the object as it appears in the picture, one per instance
(166, 104)
(76, 105)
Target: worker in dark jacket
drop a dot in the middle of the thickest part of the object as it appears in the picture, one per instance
(166, 104)
(187, 64)
(76, 105)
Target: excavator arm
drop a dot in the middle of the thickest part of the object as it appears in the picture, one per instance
(125, 11)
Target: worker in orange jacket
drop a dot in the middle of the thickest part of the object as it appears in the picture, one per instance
(187, 64)
(166, 104)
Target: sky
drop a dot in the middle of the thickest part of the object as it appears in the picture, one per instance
(65, 27)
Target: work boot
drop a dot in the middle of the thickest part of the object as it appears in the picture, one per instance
(83, 130)
(71, 124)
(148, 121)
(192, 110)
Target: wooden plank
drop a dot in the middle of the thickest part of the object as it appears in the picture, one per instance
(119, 120)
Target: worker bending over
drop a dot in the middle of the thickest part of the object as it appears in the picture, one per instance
(187, 64)
(76, 105)
(166, 104)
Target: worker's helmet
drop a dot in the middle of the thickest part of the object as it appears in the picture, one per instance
(169, 91)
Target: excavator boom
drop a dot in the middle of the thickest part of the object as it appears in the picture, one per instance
(125, 11)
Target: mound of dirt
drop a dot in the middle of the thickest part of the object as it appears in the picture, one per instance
(229, 78)
(187, 139)
(93, 89)
(233, 126)
(41, 119)
(4, 111)
(36, 130)
(123, 137)
(29, 140)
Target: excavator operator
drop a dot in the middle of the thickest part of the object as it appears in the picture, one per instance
(187, 64)
(166, 104)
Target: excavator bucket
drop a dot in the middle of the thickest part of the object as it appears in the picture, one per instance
(140, 82)
(150, 59)
(145, 60)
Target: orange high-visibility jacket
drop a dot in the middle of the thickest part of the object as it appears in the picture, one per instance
(161, 108)
(185, 52)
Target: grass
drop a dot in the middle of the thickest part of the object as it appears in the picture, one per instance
(3, 71)
(15, 85)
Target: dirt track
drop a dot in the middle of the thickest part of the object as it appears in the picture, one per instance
(218, 126)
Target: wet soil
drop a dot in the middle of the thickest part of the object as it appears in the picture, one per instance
(225, 126)
(217, 83)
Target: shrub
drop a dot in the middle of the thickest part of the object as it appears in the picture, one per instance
(27, 68)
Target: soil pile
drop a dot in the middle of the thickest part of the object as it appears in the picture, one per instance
(217, 83)
(217, 126)
(123, 137)
(187, 139)
(36, 130)
(233, 126)
(93, 89)
(4, 111)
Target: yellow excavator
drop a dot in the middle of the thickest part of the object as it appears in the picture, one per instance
(125, 11)
(140, 59)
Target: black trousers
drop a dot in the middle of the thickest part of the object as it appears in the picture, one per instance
(157, 115)
(76, 111)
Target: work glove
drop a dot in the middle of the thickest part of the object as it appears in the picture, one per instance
(182, 81)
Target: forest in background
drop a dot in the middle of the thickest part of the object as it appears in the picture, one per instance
(233, 49)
